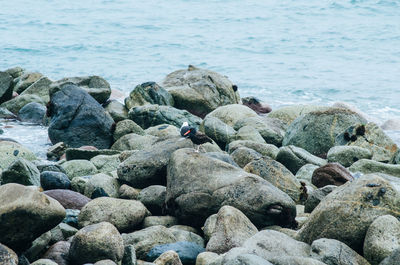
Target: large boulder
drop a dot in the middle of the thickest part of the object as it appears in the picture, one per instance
(77, 119)
(33, 112)
(21, 171)
(149, 167)
(367, 166)
(316, 131)
(133, 141)
(200, 91)
(125, 215)
(289, 113)
(58, 253)
(96, 86)
(96, 242)
(293, 158)
(232, 228)
(278, 175)
(198, 186)
(152, 115)
(11, 151)
(6, 89)
(25, 215)
(148, 93)
(347, 212)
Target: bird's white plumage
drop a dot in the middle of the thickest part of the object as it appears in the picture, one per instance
(184, 124)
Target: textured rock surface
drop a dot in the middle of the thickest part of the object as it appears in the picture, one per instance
(58, 253)
(11, 151)
(264, 149)
(78, 168)
(331, 174)
(23, 172)
(125, 127)
(8, 256)
(294, 158)
(243, 155)
(34, 113)
(40, 88)
(187, 251)
(169, 257)
(370, 166)
(50, 180)
(153, 197)
(6, 89)
(316, 196)
(14, 105)
(117, 110)
(290, 113)
(68, 199)
(347, 155)
(148, 93)
(133, 141)
(102, 185)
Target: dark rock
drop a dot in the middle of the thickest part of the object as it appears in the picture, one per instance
(6, 89)
(50, 180)
(129, 256)
(45, 165)
(77, 119)
(153, 197)
(148, 93)
(81, 153)
(56, 151)
(256, 105)
(71, 217)
(217, 130)
(69, 199)
(33, 112)
(23, 172)
(187, 251)
(58, 253)
(39, 246)
(316, 196)
(331, 174)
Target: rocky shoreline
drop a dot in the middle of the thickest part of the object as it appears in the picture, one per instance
(302, 184)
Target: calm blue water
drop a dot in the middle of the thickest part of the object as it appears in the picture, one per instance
(282, 51)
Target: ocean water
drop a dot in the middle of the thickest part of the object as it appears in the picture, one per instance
(281, 51)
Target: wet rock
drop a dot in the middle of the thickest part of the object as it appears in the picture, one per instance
(382, 238)
(16, 104)
(40, 88)
(231, 230)
(256, 105)
(68, 199)
(8, 256)
(127, 192)
(347, 155)
(346, 213)
(371, 137)
(151, 115)
(77, 119)
(50, 180)
(166, 221)
(262, 148)
(243, 155)
(96, 242)
(6, 114)
(125, 215)
(58, 253)
(126, 127)
(370, 166)
(102, 185)
(26, 80)
(106, 163)
(26, 214)
(5, 87)
(144, 240)
(316, 131)
(149, 167)
(39, 246)
(332, 252)
(117, 110)
(153, 197)
(21, 171)
(290, 113)
(187, 251)
(134, 141)
(212, 184)
(316, 196)
(331, 174)
(95, 86)
(293, 158)
(148, 93)
(163, 131)
(33, 112)
(169, 257)
(79, 167)
(200, 91)
(276, 174)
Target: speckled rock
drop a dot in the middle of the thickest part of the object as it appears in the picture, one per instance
(294, 158)
(11, 151)
(347, 155)
(39, 246)
(25, 80)
(8, 256)
(44, 262)
(21, 171)
(40, 88)
(126, 127)
(117, 110)
(217, 130)
(58, 253)
(78, 168)
(127, 192)
(153, 197)
(148, 93)
(393, 259)
(133, 141)
(169, 257)
(262, 148)
(163, 131)
(14, 105)
(166, 221)
(105, 163)
(100, 185)
(289, 113)
(316, 196)
(370, 166)
(243, 155)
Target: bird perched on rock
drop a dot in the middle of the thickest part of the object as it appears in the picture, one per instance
(197, 138)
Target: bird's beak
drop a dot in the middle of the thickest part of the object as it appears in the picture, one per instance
(186, 133)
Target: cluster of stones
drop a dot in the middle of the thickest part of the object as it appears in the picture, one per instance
(297, 185)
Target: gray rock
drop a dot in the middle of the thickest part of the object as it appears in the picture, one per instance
(305, 172)
(207, 258)
(209, 226)
(39, 246)
(217, 130)
(231, 230)
(231, 114)
(153, 197)
(163, 131)
(316, 131)
(40, 88)
(126, 127)
(15, 71)
(15, 105)
(149, 167)
(316, 196)
(96, 242)
(223, 157)
(169, 257)
(8, 256)
(50, 180)
(26, 214)
(78, 168)
(78, 120)
(289, 113)
(276, 174)
(44, 262)
(58, 253)
(129, 256)
(144, 240)
(200, 91)
(62, 232)
(12, 151)
(26, 80)
(346, 213)
(56, 151)
(248, 133)
(105, 163)
(212, 184)
(127, 192)
(187, 251)
(133, 141)
(117, 110)
(78, 184)
(392, 259)
(295, 261)
(33, 112)
(166, 221)
(347, 155)
(23, 172)
(294, 158)
(246, 259)
(102, 185)
(262, 148)
(96, 86)
(243, 155)
(148, 93)
(105, 262)
(184, 235)
(88, 152)
(6, 89)
(332, 252)
(125, 215)
(6, 114)
(370, 166)
(382, 238)
(71, 217)
(151, 115)
(396, 158)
